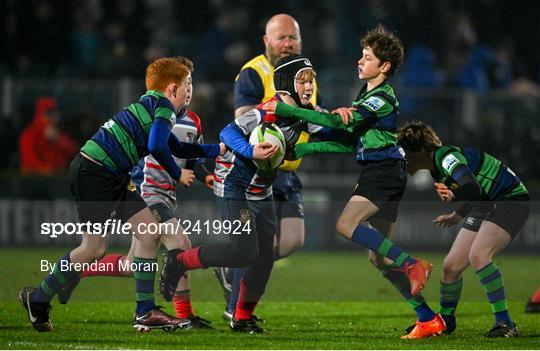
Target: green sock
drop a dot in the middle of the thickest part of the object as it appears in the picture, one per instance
(450, 295)
(144, 274)
(492, 281)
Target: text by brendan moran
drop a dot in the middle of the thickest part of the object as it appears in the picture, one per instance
(123, 265)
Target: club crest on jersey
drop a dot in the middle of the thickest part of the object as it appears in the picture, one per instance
(131, 187)
(245, 216)
(449, 162)
(156, 215)
(373, 103)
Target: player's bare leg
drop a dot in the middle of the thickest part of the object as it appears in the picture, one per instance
(290, 237)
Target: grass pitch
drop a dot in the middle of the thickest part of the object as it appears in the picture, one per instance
(314, 301)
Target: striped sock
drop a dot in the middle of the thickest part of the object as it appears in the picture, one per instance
(144, 274)
(492, 281)
(375, 241)
(60, 276)
(450, 295)
(401, 282)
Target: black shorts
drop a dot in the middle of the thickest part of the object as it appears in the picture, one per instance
(510, 215)
(289, 205)
(383, 183)
(161, 212)
(101, 195)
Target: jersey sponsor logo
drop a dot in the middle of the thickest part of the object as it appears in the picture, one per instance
(449, 162)
(374, 103)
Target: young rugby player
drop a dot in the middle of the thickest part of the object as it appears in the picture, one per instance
(245, 195)
(253, 85)
(100, 182)
(158, 189)
(369, 217)
(496, 207)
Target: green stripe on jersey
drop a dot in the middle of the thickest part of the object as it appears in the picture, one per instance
(139, 112)
(375, 102)
(518, 190)
(124, 139)
(92, 149)
(488, 172)
(165, 113)
(375, 138)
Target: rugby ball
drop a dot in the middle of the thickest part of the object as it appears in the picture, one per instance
(271, 133)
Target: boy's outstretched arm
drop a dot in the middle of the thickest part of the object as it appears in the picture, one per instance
(342, 146)
(181, 149)
(162, 145)
(322, 118)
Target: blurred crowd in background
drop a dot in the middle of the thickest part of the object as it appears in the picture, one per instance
(482, 55)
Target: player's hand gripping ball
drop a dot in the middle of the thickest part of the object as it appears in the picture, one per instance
(270, 133)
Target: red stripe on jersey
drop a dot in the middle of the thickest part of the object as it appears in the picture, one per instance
(154, 165)
(149, 194)
(225, 164)
(195, 118)
(164, 186)
(254, 190)
(268, 117)
(219, 180)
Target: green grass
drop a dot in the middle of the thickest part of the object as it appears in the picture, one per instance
(314, 301)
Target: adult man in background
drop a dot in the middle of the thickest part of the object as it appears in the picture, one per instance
(253, 85)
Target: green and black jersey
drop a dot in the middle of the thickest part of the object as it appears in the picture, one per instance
(122, 141)
(496, 180)
(374, 126)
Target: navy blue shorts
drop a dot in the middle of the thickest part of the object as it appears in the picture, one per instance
(290, 205)
(510, 215)
(287, 196)
(100, 195)
(383, 183)
(161, 212)
(261, 214)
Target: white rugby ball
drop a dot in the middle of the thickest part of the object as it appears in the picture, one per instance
(271, 133)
